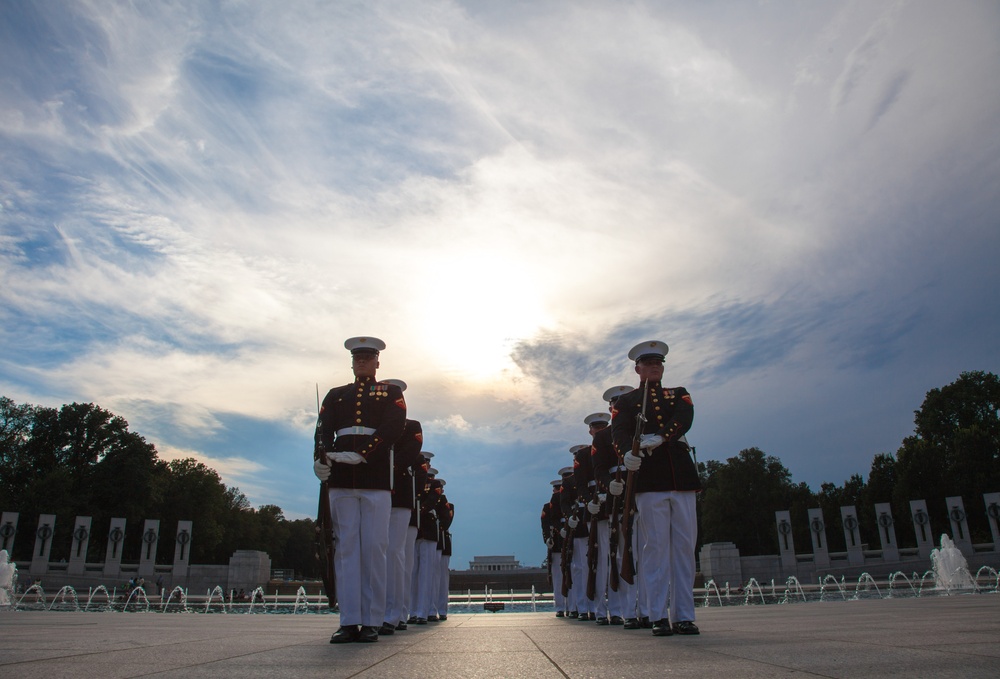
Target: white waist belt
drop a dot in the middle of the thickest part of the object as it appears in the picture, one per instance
(355, 431)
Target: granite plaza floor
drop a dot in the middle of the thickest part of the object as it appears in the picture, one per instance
(956, 636)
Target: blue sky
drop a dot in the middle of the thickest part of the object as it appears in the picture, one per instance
(200, 201)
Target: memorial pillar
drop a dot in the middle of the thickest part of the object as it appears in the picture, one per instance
(992, 501)
(182, 550)
(113, 555)
(852, 536)
(886, 532)
(959, 525)
(786, 544)
(922, 528)
(43, 545)
(817, 532)
(8, 531)
(81, 541)
(150, 538)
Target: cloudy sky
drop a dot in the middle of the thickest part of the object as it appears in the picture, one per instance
(199, 201)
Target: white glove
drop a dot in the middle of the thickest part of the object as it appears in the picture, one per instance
(632, 463)
(347, 457)
(573, 522)
(616, 487)
(321, 469)
(550, 543)
(562, 533)
(650, 441)
(594, 507)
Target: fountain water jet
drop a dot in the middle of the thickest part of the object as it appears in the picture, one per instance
(8, 579)
(951, 570)
(107, 597)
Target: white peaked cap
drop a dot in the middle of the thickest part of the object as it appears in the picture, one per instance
(364, 344)
(615, 392)
(650, 348)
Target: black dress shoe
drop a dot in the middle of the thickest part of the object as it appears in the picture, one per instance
(617, 620)
(632, 623)
(685, 627)
(661, 628)
(603, 621)
(412, 619)
(644, 621)
(401, 627)
(432, 618)
(442, 618)
(573, 614)
(345, 635)
(420, 621)
(368, 634)
(386, 628)
(559, 614)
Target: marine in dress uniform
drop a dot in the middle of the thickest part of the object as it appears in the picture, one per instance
(608, 471)
(666, 482)
(597, 509)
(405, 455)
(426, 562)
(419, 483)
(567, 507)
(551, 523)
(358, 424)
(444, 560)
(581, 532)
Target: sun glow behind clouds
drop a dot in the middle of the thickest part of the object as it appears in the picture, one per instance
(474, 306)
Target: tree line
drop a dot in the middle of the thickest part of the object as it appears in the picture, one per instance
(82, 460)
(953, 451)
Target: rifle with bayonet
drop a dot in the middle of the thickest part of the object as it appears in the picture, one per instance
(593, 553)
(567, 558)
(613, 533)
(628, 564)
(548, 563)
(324, 544)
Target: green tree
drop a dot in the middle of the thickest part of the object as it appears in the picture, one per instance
(191, 491)
(831, 498)
(955, 449)
(740, 498)
(81, 459)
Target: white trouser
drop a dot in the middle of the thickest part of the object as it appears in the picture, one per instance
(395, 565)
(640, 586)
(435, 583)
(360, 521)
(557, 581)
(603, 563)
(443, 579)
(423, 575)
(579, 565)
(669, 530)
(623, 602)
(411, 544)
